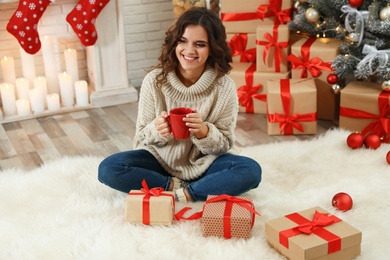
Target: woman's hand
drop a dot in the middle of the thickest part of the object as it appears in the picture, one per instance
(195, 123)
(162, 124)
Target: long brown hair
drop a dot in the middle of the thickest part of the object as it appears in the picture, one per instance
(220, 55)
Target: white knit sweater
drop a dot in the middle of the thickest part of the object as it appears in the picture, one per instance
(214, 98)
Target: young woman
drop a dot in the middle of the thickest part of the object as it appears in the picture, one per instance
(191, 73)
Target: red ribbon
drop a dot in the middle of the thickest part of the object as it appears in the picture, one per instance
(263, 11)
(315, 226)
(314, 66)
(287, 122)
(158, 191)
(248, 92)
(238, 45)
(381, 125)
(273, 41)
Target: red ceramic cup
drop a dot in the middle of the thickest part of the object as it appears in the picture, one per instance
(178, 126)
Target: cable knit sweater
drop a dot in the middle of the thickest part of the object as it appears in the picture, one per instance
(214, 98)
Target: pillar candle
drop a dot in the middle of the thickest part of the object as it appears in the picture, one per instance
(53, 102)
(8, 99)
(41, 83)
(67, 97)
(50, 65)
(28, 64)
(8, 70)
(22, 88)
(71, 64)
(36, 100)
(81, 88)
(23, 107)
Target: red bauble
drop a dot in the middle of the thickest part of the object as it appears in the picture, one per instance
(355, 3)
(342, 201)
(332, 78)
(388, 157)
(372, 141)
(355, 140)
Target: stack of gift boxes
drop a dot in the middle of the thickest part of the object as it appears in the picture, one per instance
(267, 62)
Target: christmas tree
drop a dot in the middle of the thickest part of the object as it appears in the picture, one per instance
(363, 26)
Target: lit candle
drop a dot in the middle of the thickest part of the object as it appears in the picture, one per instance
(40, 83)
(8, 69)
(53, 102)
(23, 107)
(28, 64)
(71, 64)
(36, 100)
(50, 65)
(8, 99)
(22, 88)
(66, 89)
(81, 88)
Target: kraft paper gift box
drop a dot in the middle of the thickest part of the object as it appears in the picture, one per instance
(365, 108)
(242, 46)
(294, 112)
(297, 237)
(227, 216)
(272, 48)
(243, 17)
(253, 101)
(143, 207)
(319, 53)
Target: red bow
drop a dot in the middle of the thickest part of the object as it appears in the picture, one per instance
(238, 45)
(274, 8)
(319, 220)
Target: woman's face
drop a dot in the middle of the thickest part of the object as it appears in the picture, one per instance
(193, 50)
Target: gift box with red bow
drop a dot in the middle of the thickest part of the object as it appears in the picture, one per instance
(242, 46)
(313, 234)
(292, 106)
(311, 58)
(150, 206)
(245, 17)
(252, 86)
(365, 108)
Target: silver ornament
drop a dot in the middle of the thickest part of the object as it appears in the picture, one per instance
(353, 37)
(312, 15)
(386, 85)
(336, 88)
(385, 13)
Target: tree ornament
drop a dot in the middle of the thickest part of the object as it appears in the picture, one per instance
(388, 157)
(386, 86)
(342, 201)
(353, 37)
(384, 14)
(336, 88)
(355, 140)
(332, 78)
(372, 141)
(312, 15)
(355, 3)
(296, 5)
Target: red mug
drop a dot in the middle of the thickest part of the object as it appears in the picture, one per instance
(178, 126)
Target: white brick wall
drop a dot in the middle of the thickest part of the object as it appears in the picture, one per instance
(145, 22)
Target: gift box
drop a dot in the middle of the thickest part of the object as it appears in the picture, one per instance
(242, 46)
(313, 234)
(150, 206)
(364, 108)
(252, 86)
(228, 216)
(245, 17)
(311, 58)
(272, 48)
(292, 106)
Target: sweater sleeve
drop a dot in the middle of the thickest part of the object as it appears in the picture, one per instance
(146, 133)
(220, 137)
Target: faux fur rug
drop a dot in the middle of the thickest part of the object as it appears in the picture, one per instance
(61, 211)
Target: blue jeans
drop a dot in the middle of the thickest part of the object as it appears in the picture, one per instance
(228, 174)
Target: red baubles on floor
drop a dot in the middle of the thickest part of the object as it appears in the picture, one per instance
(388, 157)
(372, 141)
(342, 201)
(355, 140)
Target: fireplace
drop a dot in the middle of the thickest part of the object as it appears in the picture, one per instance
(103, 66)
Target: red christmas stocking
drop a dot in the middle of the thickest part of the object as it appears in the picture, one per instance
(23, 24)
(82, 19)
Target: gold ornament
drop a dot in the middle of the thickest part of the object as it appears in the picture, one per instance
(353, 37)
(384, 14)
(336, 88)
(386, 85)
(312, 15)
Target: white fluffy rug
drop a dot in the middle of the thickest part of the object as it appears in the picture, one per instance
(61, 211)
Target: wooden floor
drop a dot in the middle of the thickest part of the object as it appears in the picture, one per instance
(100, 132)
